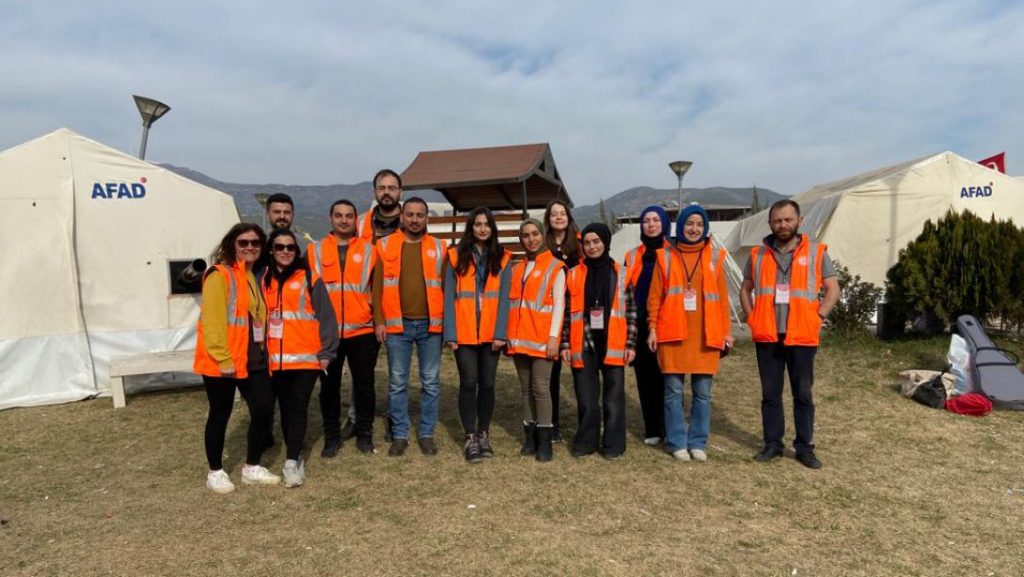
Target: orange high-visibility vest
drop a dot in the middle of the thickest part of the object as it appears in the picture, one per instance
(671, 323)
(238, 324)
(468, 329)
(531, 304)
(803, 326)
(616, 329)
(366, 228)
(632, 261)
(389, 251)
(300, 337)
(350, 289)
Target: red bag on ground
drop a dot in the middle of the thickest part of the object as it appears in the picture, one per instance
(973, 404)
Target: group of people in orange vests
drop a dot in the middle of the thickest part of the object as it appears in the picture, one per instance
(273, 323)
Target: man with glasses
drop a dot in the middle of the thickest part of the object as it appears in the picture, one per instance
(383, 219)
(345, 263)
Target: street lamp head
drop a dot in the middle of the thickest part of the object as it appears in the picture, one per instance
(261, 197)
(151, 110)
(680, 167)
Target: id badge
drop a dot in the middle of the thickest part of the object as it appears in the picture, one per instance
(257, 334)
(690, 300)
(597, 319)
(275, 326)
(782, 294)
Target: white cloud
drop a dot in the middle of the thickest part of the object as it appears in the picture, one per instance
(784, 94)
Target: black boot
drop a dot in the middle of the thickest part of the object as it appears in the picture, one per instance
(544, 452)
(529, 440)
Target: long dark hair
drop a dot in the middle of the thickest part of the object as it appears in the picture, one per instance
(225, 251)
(571, 244)
(298, 264)
(495, 252)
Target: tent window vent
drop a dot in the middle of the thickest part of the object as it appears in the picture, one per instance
(186, 276)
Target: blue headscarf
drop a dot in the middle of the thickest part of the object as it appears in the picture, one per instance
(690, 210)
(665, 225)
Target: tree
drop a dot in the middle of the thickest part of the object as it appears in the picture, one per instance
(857, 304)
(960, 265)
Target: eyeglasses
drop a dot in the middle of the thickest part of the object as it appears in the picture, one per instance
(246, 243)
(387, 189)
(286, 247)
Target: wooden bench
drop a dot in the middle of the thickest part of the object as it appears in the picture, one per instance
(145, 364)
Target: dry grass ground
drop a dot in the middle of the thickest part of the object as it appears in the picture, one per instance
(906, 490)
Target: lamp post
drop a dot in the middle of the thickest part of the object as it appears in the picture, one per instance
(151, 111)
(680, 167)
(261, 197)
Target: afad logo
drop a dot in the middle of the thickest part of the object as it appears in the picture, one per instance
(976, 191)
(119, 189)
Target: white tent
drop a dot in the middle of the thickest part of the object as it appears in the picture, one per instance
(88, 236)
(867, 219)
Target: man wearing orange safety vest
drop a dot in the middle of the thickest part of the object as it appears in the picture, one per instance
(786, 274)
(384, 218)
(345, 263)
(408, 308)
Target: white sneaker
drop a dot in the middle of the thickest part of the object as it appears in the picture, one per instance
(682, 455)
(652, 441)
(219, 482)
(698, 455)
(293, 473)
(258, 475)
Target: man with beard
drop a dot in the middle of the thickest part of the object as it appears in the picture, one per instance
(408, 307)
(383, 219)
(786, 274)
(280, 211)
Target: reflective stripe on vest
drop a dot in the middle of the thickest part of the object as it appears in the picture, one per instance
(530, 317)
(297, 346)
(237, 323)
(617, 327)
(803, 324)
(672, 323)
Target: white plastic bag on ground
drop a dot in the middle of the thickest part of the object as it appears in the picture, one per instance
(959, 358)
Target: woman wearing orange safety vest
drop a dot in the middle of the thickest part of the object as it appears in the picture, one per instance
(536, 305)
(642, 261)
(562, 238)
(475, 321)
(230, 354)
(302, 339)
(688, 310)
(598, 341)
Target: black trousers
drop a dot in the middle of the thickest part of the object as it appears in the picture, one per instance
(773, 360)
(650, 385)
(293, 389)
(477, 365)
(361, 352)
(600, 391)
(258, 395)
(556, 389)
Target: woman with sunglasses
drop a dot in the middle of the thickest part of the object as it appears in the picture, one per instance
(562, 238)
(536, 305)
(474, 324)
(302, 339)
(230, 354)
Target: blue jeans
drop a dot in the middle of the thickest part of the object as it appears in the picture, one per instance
(677, 434)
(428, 350)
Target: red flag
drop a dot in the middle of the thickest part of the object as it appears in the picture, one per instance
(997, 162)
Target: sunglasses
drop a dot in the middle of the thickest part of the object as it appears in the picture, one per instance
(244, 243)
(286, 247)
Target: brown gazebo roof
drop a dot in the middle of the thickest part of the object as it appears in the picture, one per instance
(497, 177)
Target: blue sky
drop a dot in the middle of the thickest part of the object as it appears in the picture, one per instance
(783, 94)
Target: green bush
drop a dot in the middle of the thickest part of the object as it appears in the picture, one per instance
(960, 265)
(857, 303)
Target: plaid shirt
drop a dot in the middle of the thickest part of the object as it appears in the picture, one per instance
(588, 341)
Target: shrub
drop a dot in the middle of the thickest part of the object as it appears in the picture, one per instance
(857, 304)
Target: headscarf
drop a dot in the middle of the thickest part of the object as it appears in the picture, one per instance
(540, 227)
(598, 286)
(692, 209)
(654, 242)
